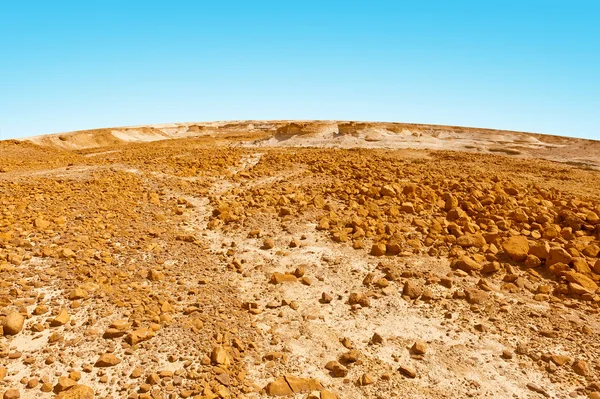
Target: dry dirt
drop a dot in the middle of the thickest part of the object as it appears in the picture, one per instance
(301, 259)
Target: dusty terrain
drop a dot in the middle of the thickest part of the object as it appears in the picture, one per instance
(258, 259)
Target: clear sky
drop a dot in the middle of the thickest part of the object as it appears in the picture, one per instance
(520, 65)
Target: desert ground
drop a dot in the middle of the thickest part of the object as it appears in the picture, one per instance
(299, 259)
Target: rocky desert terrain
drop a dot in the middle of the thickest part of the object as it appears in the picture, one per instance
(307, 259)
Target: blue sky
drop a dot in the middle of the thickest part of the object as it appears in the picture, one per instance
(519, 65)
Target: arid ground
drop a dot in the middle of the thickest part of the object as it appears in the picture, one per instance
(322, 259)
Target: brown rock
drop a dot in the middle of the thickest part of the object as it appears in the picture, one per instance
(77, 293)
(300, 385)
(107, 360)
(490, 268)
(326, 298)
(280, 278)
(540, 250)
(581, 367)
(219, 356)
(516, 247)
(377, 339)
(139, 335)
(475, 296)
(471, 240)
(64, 383)
(533, 261)
(378, 249)
(268, 243)
(412, 290)
(350, 356)
(407, 371)
(336, 369)
(41, 223)
(279, 387)
(13, 323)
(467, 264)
(407, 207)
(12, 394)
(388, 191)
(596, 267)
(582, 280)
(591, 250)
(419, 348)
(155, 275)
(77, 392)
(61, 319)
(559, 360)
(558, 255)
(366, 379)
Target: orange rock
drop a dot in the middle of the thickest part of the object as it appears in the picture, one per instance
(77, 392)
(61, 319)
(516, 247)
(279, 278)
(279, 387)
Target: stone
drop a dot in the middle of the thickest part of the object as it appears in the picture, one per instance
(407, 371)
(13, 323)
(350, 356)
(475, 296)
(466, 264)
(378, 249)
(219, 356)
(490, 268)
(64, 383)
(12, 394)
(280, 278)
(533, 261)
(591, 250)
(540, 250)
(326, 298)
(596, 267)
(516, 248)
(77, 293)
(61, 319)
(139, 335)
(268, 243)
(301, 385)
(388, 191)
(279, 387)
(77, 392)
(155, 275)
(471, 240)
(581, 367)
(582, 280)
(419, 348)
(538, 389)
(412, 290)
(41, 223)
(107, 360)
(366, 379)
(558, 255)
(336, 369)
(559, 360)
(376, 339)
